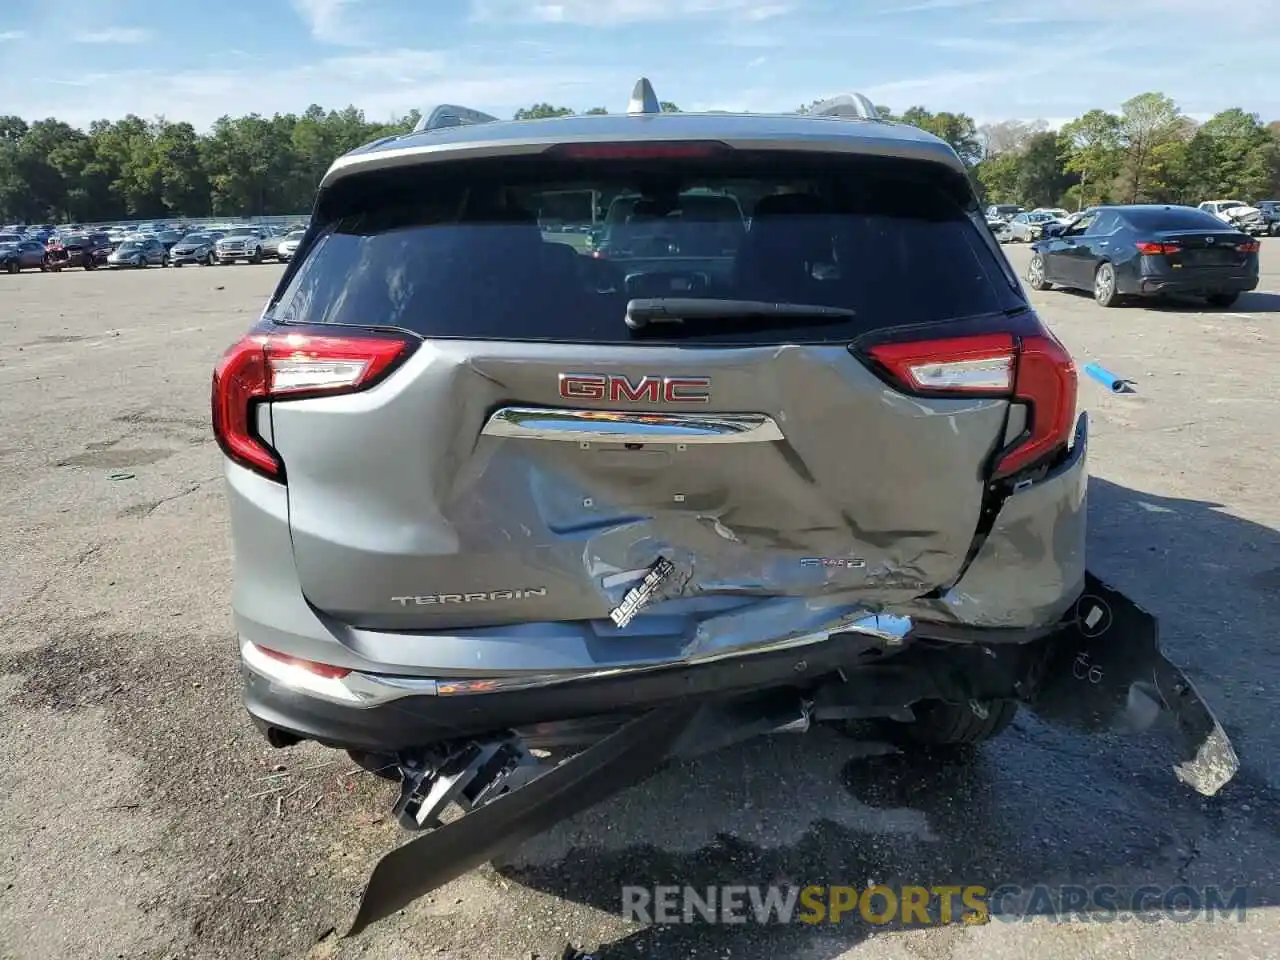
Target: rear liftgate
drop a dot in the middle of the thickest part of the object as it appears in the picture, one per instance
(1102, 673)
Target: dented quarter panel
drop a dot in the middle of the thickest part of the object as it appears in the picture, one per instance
(1031, 567)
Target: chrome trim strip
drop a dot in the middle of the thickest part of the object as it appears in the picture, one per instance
(608, 426)
(364, 690)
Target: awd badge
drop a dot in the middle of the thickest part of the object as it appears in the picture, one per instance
(638, 597)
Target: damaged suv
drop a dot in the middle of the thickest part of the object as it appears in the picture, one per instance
(495, 498)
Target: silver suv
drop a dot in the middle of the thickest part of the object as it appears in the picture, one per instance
(241, 243)
(493, 494)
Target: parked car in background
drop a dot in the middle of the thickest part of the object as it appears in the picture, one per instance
(1003, 211)
(1238, 214)
(139, 253)
(271, 243)
(241, 243)
(194, 248)
(1270, 210)
(169, 238)
(25, 254)
(86, 250)
(1057, 213)
(7, 238)
(289, 245)
(1026, 227)
(1147, 250)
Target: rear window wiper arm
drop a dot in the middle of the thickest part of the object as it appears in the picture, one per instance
(643, 312)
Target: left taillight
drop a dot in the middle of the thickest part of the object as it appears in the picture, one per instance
(290, 366)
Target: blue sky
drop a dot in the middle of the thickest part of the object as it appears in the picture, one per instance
(994, 59)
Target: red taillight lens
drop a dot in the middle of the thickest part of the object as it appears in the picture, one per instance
(1155, 249)
(1034, 370)
(671, 150)
(982, 364)
(289, 366)
(328, 671)
(1047, 383)
(1249, 246)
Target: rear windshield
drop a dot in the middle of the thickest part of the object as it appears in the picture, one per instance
(1172, 218)
(457, 251)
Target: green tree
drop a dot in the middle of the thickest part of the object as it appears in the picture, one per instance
(1041, 178)
(957, 129)
(1092, 149)
(541, 111)
(1232, 155)
(1151, 136)
(998, 177)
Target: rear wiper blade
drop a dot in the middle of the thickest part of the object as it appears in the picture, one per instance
(643, 312)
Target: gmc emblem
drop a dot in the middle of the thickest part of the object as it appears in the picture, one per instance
(616, 387)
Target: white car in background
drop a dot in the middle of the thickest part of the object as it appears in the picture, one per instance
(1238, 214)
(289, 245)
(1027, 227)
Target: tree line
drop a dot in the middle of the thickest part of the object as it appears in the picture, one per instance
(255, 166)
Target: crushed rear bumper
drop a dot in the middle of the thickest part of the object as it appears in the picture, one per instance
(1102, 671)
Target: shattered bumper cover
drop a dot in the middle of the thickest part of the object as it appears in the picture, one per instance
(1102, 672)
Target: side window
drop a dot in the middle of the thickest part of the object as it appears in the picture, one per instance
(1081, 226)
(1104, 223)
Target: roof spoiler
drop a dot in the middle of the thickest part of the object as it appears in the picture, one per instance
(853, 106)
(450, 115)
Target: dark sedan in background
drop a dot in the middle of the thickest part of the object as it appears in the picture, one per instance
(22, 255)
(88, 250)
(1146, 250)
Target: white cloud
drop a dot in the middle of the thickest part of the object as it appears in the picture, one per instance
(114, 35)
(327, 21)
(386, 85)
(12, 35)
(604, 13)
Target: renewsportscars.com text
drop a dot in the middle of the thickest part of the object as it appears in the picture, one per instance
(928, 906)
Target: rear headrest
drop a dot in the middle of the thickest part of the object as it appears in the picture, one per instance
(788, 204)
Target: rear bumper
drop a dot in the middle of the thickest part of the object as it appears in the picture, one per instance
(1198, 283)
(380, 713)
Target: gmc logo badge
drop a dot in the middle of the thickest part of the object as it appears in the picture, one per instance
(617, 387)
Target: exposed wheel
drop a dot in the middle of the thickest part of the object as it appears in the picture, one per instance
(209, 260)
(1222, 300)
(1104, 285)
(12, 266)
(1035, 273)
(164, 261)
(939, 723)
(257, 256)
(380, 765)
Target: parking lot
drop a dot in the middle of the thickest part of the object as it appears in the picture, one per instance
(144, 817)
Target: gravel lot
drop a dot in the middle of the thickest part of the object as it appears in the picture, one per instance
(136, 821)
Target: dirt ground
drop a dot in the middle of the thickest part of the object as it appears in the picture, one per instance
(144, 817)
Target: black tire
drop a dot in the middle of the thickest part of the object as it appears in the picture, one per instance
(381, 765)
(1222, 300)
(257, 256)
(164, 261)
(209, 259)
(938, 723)
(12, 266)
(1035, 273)
(1104, 286)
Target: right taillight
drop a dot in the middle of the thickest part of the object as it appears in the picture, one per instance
(290, 366)
(1249, 246)
(1034, 370)
(1156, 249)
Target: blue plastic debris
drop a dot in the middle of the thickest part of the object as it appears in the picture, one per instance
(1108, 379)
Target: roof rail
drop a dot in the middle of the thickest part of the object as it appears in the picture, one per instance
(449, 115)
(643, 99)
(849, 105)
